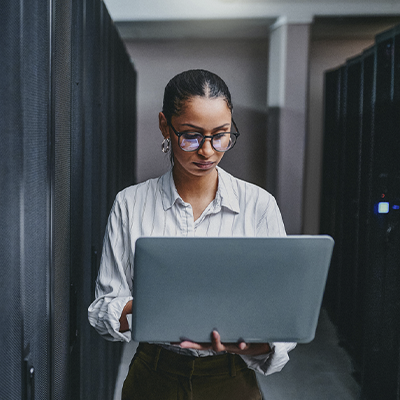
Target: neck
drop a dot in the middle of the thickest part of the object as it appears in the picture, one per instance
(196, 188)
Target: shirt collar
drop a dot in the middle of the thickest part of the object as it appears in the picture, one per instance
(168, 190)
(227, 193)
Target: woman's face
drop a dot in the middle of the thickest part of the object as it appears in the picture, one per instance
(203, 115)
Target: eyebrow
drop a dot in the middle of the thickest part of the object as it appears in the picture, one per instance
(200, 128)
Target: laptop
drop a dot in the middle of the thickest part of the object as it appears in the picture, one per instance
(251, 289)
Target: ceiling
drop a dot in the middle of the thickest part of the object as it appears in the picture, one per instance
(196, 29)
(322, 28)
(292, 11)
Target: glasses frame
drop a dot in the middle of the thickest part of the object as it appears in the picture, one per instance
(179, 134)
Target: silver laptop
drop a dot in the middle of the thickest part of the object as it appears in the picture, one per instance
(251, 289)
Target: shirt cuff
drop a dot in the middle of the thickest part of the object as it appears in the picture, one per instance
(129, 318)
(271, 362)
(115, 308)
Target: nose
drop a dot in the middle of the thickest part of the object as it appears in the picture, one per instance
(206, 150)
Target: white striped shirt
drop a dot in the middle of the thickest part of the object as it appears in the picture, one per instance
(154, 208)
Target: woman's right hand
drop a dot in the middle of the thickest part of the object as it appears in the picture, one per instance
(123, 322)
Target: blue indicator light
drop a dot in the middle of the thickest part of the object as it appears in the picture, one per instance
(383, 207)
(395, 207)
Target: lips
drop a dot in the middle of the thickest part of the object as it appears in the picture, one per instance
(204, 165)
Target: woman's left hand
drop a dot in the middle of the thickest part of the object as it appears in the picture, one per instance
(250, 349)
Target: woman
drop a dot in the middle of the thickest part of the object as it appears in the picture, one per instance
(194, 198)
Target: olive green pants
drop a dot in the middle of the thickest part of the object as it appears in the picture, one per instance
(159, 374)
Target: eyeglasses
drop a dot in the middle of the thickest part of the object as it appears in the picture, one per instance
(192, 141)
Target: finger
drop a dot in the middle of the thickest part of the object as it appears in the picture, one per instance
(196, 346)
(242, 346)
(216, 342)
(237, 348)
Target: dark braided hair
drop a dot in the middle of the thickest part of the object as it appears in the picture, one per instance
(195, 82)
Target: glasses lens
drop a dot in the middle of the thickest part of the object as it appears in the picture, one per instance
(223, 141)
(190, 141)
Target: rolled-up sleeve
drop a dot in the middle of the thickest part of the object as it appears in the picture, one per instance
(271, 362)
(114, 282)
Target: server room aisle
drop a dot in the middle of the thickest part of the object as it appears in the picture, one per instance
(318, 370)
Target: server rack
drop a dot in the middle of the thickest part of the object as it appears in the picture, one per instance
(367, 96)
(25, 337)
(67, 125)
(384, 241)
(365, 300)
(329, 219)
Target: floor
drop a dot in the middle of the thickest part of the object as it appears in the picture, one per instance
(318, 370)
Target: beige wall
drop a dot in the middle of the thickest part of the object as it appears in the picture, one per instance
(324, 54)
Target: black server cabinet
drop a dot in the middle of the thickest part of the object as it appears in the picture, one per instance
(25, 247)
(394, 224)
(67, 126)
(349, 203)
(341, 195)
(366, 204)
(331, 205)
(341, 200)
(361, 209)
(382, 343)
(103, 162)
(60, 111)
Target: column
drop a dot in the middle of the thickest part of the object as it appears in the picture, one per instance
(287, 110)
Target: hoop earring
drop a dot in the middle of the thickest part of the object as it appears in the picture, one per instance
(165, 145)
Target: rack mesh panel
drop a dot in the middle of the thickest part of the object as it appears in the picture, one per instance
(36, 257)
(61, 97)
(24, 199)
(349, 313)
(11, 153)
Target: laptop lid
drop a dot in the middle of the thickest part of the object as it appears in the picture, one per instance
(255, 289)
